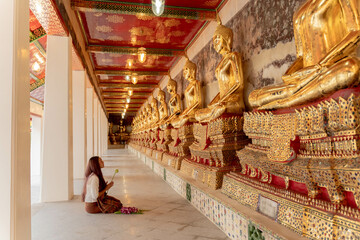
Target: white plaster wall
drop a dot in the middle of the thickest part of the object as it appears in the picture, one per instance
(99, 142)
(105, 127)
(96, 125)
(89, 122)
(57, 169)
(36, 133)
(79, 131)
(14, 122)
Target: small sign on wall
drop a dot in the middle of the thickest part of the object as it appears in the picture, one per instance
(268, 207)
(195, 174)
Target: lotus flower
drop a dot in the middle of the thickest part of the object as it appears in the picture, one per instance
(129, 210)
(116, 171)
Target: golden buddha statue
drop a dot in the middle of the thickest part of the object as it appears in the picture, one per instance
(148, 116)
(141, 120)
(230, 78)
(155, 111)
(327, 35)
(163, 110)
(192, 95)
(175, 101)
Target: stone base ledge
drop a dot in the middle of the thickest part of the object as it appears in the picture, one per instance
(235, 220)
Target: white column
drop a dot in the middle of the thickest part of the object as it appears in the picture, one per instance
(79, 123)
(105, 127)
(36, 132)
(90, 122)
(15, 217)
(57, 173)
(99, 129)
(96, 152)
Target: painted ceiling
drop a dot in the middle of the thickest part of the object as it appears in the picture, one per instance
(43, 19)
(112, 33)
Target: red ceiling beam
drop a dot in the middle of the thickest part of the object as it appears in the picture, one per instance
(144, 9)
(123, 100)
(134, 51)
(121, 90)
(110, 94)
(127, 85)
(131, 73)
(120, 111)
(114, 104)
(113, 98)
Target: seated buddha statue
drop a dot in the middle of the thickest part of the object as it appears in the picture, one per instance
(163, 110)
(141, 120)
(192, 95)
(148, 115)
(229, 74)
(327, 34)
(175, 101)
(155, 112)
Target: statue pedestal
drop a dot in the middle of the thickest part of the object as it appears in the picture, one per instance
(295, 211)
(154, 138)
(162, 145)
(214, 149)
(211, 176)
(179, 148)
(307, 159)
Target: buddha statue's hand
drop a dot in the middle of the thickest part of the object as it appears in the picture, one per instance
(283, 103)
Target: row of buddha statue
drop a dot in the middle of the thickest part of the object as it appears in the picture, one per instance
(299, 137)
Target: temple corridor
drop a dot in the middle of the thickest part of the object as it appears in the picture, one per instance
(136, 185)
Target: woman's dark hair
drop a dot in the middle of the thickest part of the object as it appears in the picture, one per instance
(93, 167)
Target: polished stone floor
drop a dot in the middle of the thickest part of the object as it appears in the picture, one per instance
(169, 216)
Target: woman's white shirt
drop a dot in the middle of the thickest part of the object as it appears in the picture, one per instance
(92, 188)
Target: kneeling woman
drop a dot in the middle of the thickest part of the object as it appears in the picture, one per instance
(94, 192)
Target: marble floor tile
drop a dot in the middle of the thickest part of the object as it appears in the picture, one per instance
(169, 216)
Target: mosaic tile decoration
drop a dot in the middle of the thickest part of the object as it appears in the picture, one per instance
(38, 93)
(233, 224)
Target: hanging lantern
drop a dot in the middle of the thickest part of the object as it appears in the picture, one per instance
(129, 63)
(134, 80)
(130, 92)
(36, 67)
(142, 54)
(127, 106)
(128, 99)
(124, 110)
(158, 7)
(127, 78)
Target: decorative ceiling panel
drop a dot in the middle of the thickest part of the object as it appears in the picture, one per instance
(47, 15)
(207, 4)
(33, 22)
(43, 42)
(38, 93)
(139, 31)
(122, 79)
(37, 62)
(115, 30)
(113, 61)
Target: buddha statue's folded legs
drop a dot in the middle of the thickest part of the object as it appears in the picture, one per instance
(342, 74)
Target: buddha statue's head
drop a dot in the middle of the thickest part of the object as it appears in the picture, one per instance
(189, 70)
(223, 39)
(161, 95)
(171, 86)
